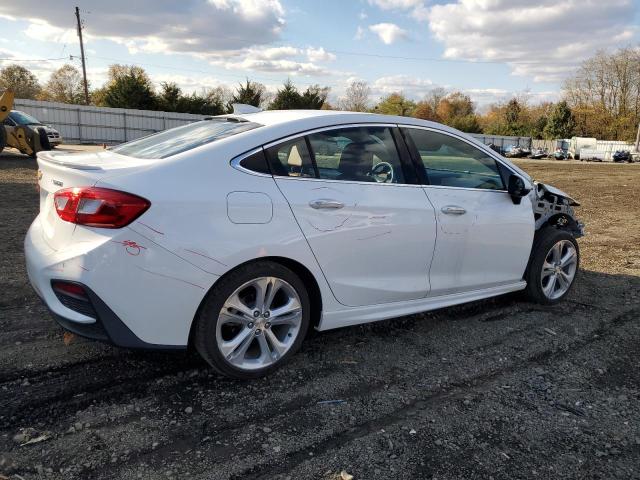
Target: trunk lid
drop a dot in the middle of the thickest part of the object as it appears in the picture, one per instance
(58, 170)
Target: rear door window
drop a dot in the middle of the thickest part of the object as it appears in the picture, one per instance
(360, 154)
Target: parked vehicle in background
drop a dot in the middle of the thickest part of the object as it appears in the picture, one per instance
(21, 131)
(577, 144)
(538, 153)
(560, 154)
(238, 234)
(589, 155)
(513, 151)
(17, 118)
(622, 156)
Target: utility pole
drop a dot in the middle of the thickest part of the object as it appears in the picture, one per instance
(84, 68)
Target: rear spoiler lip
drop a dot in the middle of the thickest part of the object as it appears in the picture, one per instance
(51, 158)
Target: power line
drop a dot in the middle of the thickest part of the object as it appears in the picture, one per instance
(186, 69)
(435, 59)
(34, 59)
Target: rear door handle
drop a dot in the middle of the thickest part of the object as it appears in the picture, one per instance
(453, 210)
(324, 203)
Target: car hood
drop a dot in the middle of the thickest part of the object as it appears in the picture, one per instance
(543, 188)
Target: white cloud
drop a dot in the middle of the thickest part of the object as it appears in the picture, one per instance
(388, 32)
(412, 87)
(359, 33)
(189, 27)
(41, 30)
(319, 55)
(285, 59)
(396, 4)
(544, 40)
(416, 8)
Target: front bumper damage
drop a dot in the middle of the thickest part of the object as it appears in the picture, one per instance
(553, 206)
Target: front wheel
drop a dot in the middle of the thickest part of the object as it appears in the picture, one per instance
(253, 320)
(553, 266)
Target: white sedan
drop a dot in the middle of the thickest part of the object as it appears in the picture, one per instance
(238, 233)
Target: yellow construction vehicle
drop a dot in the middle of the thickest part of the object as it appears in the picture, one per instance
(27, 139)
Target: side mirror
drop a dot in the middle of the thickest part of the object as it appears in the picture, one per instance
(517, 188)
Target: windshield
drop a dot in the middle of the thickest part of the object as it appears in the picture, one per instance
(180, 139)
(22, 118)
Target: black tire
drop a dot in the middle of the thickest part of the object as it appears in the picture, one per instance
(204, 333)
(44, 139)
(544, 240)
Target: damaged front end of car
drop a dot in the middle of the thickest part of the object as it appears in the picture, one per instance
(551, 206)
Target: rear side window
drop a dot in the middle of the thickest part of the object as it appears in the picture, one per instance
(256, 162)
(291, 159)
(451, 162)
(180, 139)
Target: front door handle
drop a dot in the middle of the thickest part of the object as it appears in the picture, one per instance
(324, 203)
(453, 210)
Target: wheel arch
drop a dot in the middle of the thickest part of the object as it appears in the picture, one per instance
(315, 294)
(563, 221)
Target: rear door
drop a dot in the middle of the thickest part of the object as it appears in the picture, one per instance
(484, 239)
(372, 230)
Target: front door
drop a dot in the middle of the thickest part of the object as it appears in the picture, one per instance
(484, 239)
(372, 233)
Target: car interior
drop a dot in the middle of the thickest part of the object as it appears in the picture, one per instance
(369, 154)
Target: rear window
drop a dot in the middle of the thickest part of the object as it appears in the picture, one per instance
(180, 139)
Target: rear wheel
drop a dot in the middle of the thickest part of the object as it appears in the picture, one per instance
(253, 320)
(553, 266)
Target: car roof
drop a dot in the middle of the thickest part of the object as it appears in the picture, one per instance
(329, 117)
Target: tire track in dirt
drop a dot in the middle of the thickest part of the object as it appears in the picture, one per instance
(335, 441)
(455, 390)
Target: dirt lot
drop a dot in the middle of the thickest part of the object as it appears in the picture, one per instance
(496, 389)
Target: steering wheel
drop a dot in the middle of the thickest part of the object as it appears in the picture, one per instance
(382, 172)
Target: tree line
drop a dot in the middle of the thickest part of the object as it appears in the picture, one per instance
(601, 99)
(129, 86)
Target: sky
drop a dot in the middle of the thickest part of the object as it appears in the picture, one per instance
(488, 49)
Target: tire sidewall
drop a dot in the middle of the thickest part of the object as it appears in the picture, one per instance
(205, 339)
(545, 239)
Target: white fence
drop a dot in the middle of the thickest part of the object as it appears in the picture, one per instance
(86, 124)
(502, 141)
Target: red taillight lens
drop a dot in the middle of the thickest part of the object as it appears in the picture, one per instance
(98, 207)
(69, 288)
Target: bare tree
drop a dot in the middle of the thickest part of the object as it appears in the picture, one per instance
(21, 80)
(604, 94)
(356, 97)
(65, 85)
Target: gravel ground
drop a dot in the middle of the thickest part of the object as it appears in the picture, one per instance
(494, 389)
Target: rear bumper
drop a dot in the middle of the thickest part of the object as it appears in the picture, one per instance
(103, 269)
(107, 327)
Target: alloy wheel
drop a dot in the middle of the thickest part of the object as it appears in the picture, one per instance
(559, 269)
(259, 323)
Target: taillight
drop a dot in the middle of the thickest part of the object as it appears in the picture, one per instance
(98, 207)
(69, 288)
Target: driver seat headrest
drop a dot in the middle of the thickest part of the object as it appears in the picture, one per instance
(356, 161)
